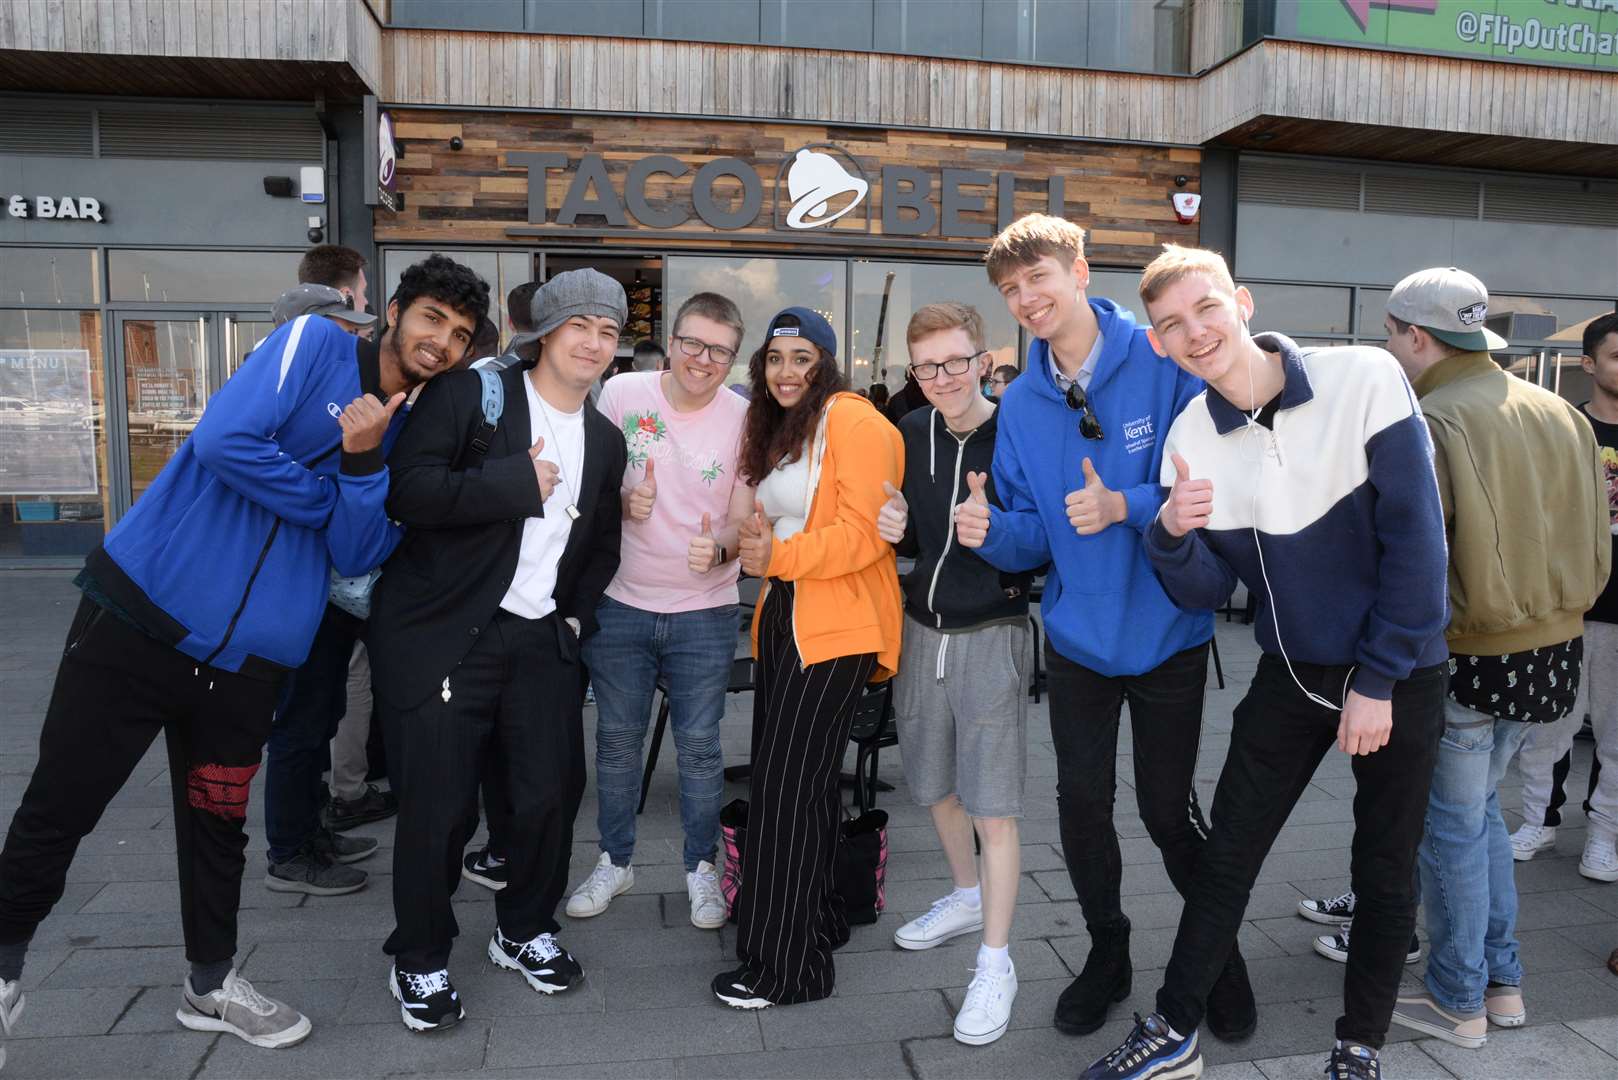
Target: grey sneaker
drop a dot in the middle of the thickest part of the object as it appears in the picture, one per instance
(1419, 1012)
(239, 1010)
(312, 871)
(344, 849)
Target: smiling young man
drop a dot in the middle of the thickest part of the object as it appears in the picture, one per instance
(669, 616)
(959, 699)
(196, 606)
(1076, 463)
(512, 535)
(1308, 477)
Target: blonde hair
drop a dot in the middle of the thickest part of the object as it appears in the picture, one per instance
(948, 315)
(1178, 262)
(1031, 238)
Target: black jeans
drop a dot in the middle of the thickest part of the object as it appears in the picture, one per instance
(312, 705)
(1165, 713)
(516, 706)
(116, 688)
(1278, 738)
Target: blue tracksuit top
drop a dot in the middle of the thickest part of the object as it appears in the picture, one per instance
(228, 554)
(1103, 607)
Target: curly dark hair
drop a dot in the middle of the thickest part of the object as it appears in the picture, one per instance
(441, 278)
(772, 433)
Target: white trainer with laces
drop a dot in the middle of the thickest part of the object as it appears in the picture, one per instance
(949, 917)
(986, 1012)
(1530, 840)
(237, 1009)
(707, 902)
(1600, 859)
(596, 892)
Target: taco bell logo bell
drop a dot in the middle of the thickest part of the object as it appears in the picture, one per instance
(814, 181)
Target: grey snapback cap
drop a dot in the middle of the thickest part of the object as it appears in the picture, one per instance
(311, 299)
(1448, 303)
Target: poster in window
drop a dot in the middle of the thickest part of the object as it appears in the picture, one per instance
(47, 423)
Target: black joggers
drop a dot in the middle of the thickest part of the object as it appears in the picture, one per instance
(516, 704)
(1278, 737)
(116, 688)
(789, 916)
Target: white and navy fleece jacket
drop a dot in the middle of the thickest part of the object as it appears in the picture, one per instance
(1341, 503)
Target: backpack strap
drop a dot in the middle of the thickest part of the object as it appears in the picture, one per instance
(494, 403)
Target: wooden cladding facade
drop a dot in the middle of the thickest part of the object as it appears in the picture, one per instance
(480, 194)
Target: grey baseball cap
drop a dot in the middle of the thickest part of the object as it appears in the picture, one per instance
(311, 299)
(1448, 303)
(570, 293)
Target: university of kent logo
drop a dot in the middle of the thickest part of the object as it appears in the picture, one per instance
(1139, 434)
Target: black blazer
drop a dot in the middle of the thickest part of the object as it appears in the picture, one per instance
(463, 531)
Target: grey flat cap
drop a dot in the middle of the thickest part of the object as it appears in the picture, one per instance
(570, 293)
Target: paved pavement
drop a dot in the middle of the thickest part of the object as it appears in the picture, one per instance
(102, 978)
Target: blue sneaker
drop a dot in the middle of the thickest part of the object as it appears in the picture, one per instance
(1150, 1052)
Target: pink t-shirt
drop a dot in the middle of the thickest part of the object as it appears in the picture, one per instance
(696, 471)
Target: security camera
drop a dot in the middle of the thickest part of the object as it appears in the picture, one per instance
(455, 142)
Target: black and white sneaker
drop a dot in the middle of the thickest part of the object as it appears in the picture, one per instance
(427, 1001)
(1335, 946)
(732, 988)
(1339, 909)
(547, 966)
(485, 868)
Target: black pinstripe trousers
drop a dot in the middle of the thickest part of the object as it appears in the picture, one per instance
(789, 916)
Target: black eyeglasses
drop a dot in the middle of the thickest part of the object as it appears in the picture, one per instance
(691, 346)
(1089, 426)
(955, 365)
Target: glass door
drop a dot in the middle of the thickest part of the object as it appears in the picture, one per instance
(167, 363)
(241, 333)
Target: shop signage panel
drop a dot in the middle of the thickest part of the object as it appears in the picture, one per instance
(1571, 33)
(55, 208)
(47, 423)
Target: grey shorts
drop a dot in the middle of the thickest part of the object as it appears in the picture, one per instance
(961, 710)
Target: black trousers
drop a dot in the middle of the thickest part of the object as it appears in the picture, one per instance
(789, 916)
(1165, 711)
(1277, 740)
(514, 705)
(116, 688)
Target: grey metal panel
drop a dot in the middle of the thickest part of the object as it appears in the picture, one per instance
(219, 133)
(618, 18)
(1298, 244)
(1428, 196)
(1552, 206)
(462, 14)
(703, 20)
(824, 24)
(159, 203)
(931, 27)
(1006, 29)
(29, 126)
(1061, 31)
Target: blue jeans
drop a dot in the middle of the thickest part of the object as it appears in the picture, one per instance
(1467, 874)
(690, 653)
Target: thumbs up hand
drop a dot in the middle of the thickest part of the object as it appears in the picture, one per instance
(704, 552)
(1190, 502)
(895, 513)
(1094, 506)
(972, 515)
(755, 542)
(545, 472)
(644, 494)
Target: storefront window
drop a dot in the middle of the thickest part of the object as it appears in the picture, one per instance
(1122, 287)
(53, 444)
(166, 385)
(1300, 309)
(40, 276)
(503, 271)
(201, 277)
(878, 350)
(760, 287)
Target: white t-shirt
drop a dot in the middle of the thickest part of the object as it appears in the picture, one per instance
(545, 538)
(785, 495)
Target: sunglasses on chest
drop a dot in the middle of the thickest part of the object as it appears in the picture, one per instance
(1079, 402)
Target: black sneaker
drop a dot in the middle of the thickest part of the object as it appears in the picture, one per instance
(314, 872)
(1335, 946)
(1351, 1061)
(427, 1001)
(548, 967)
(1338, 909)
(734, 989)
(344, 849)
(485, 868)
(374, 805)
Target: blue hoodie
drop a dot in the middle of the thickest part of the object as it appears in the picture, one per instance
(228, 554)
(1103, 607)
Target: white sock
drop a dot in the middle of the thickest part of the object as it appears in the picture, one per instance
(995, 960)
(972, 897)
(1175, 1035)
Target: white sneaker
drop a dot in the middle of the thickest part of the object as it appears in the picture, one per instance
(986, 1012)
(1600, 859)
(707, 904)
(11, 1003)
(947, 918)
(605, 882)
(1530, 840)
(237, 1009)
